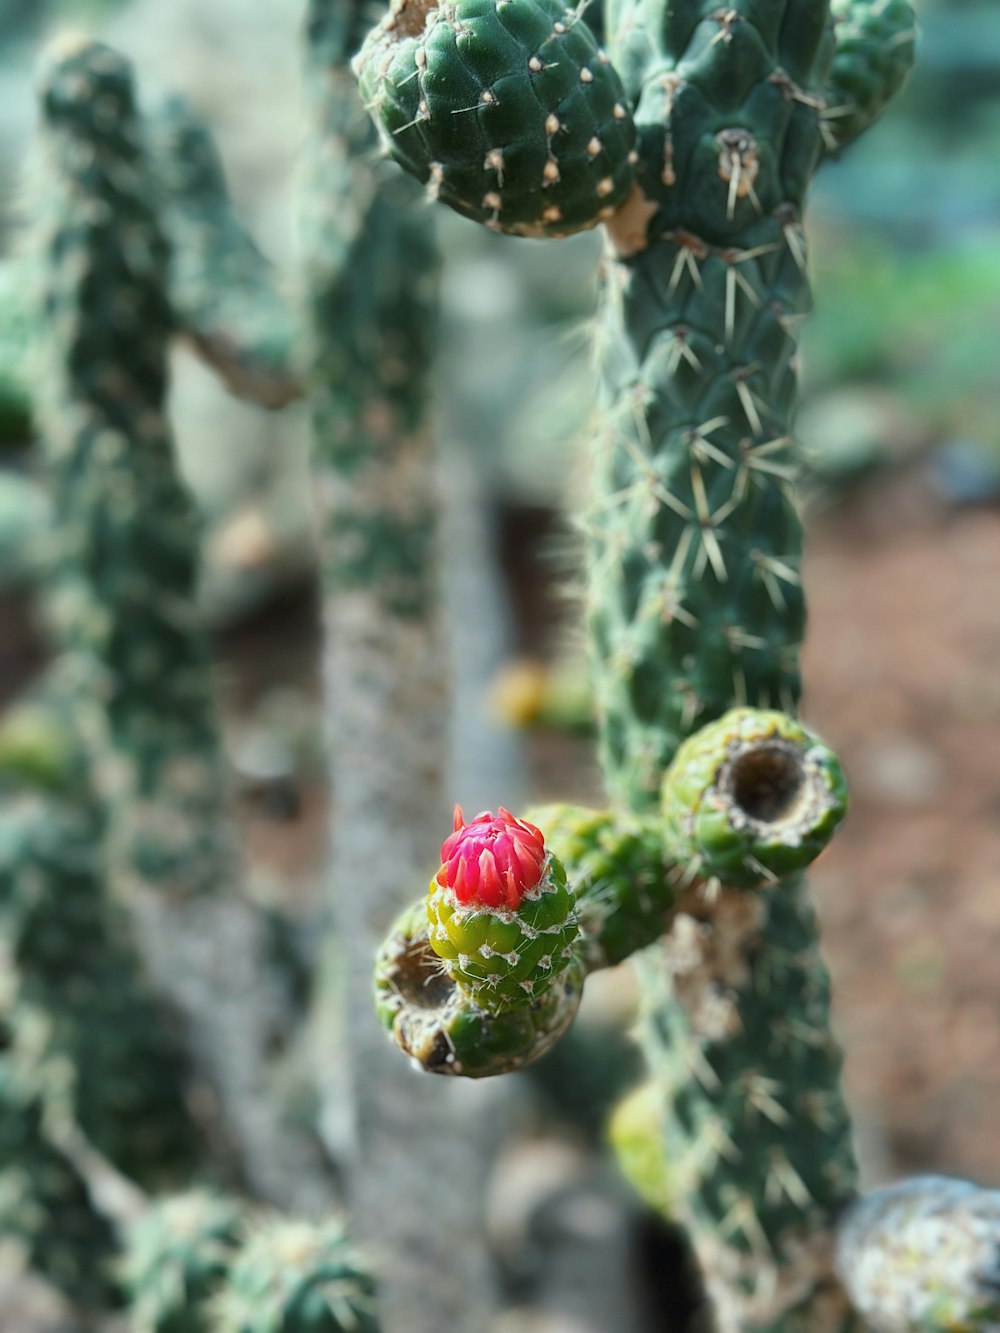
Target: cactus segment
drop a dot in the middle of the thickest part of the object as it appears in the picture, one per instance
(619, 870)
(45, 1209)
(177, 1255)
(435, 1022)
(506, 109)
(876, 47)
(500, 913)
(224, 293)
(126, 530)
(296, 1277)
(85, 1026)
(923, 1256)
(752, 797)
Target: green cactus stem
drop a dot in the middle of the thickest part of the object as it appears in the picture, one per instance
(122, 603)
(125, 568)
(84, 1027)
(225, 294)
(296, 1277)
(625, 883)
(178, 1254)
(510, 112)
(695, 604)
(875, 50)
(500, 913)
(923, 1256)
(45, 1209)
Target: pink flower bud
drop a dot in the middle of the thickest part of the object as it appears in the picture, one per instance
(492, 861)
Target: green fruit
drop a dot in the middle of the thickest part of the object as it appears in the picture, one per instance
(507, 109)
(435, 1022)
(505, 958)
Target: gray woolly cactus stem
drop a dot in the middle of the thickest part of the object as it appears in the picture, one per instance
(123, 602)
(370, 276)
(225, 295)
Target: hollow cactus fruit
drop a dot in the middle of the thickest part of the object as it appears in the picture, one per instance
(753, 796)
(445, 1031)
(500, 913)
(510, 112)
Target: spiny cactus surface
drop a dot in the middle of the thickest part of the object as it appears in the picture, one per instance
(126, 559)
(177, 1256)
(297, 1277)
(509, 111)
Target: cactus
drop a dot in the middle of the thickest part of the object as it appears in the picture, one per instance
(296, 1277)
(224, 293)
(695, 604)
(510, 112)
(498, 916)
(924, 1254)
(121, 601)
(177, 1257)
(84, 1026)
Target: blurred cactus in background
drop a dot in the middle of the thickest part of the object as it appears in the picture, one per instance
(160, 1163)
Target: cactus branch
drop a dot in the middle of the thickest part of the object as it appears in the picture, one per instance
(876, 46)
(123, 602)
(225, 294)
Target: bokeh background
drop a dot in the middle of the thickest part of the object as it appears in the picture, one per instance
(900, 426)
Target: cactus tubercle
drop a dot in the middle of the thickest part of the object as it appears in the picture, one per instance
(507, 110)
